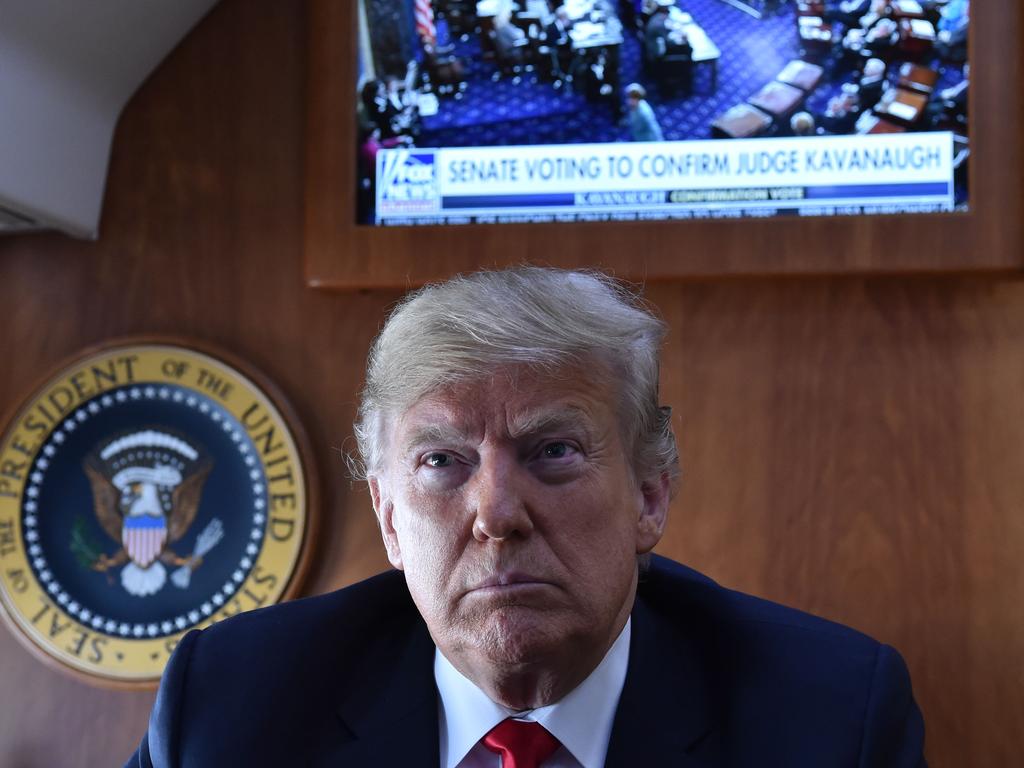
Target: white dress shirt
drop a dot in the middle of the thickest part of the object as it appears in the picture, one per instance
(581, 721)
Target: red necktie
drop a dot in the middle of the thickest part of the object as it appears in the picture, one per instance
(521, 744)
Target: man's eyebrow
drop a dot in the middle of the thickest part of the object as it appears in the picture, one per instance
(428, 434)
(569, 418)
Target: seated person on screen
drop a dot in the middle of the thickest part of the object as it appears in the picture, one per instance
(600, 80)
(507, 36)
(952, 30)
(403, 100)
(872, 83)
(842, 111)
(656, 33)
(674, 70)
(882, 38)
(520, 466)
(445, 72)
(557, 32)
(557, 45)
(849, 12)
(379, 109)
(949, 106)
(510, 43)
(878, 10)
(953, 16)
(802, 124)
(876, 28)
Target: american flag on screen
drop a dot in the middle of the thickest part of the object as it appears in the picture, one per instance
(425, 28)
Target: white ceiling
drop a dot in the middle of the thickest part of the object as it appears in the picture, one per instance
(67, 68)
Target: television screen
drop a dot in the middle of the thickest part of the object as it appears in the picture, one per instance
(491, 111)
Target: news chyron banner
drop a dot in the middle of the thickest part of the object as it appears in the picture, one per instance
(807, 176)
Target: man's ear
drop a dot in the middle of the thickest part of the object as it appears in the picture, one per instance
(653, 512)
(384, 508)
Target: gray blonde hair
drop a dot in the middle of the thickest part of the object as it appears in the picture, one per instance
(544, 319)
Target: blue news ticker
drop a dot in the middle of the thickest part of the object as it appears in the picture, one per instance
(508, 201)
(817, 193)
(917, 189)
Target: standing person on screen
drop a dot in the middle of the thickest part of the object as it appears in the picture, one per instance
(520, 466)
(643, 125)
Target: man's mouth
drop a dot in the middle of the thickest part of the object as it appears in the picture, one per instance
(509, 581)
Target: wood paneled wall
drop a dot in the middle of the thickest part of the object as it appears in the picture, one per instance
(853, 447)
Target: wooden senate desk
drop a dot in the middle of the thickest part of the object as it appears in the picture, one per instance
(901, 106)
(488, 9)
(907, 9)
(816, 35)
(778, 99)
(869, 123)
(535, 10)
(741, 122)
(810, 8)
(704, 51)
(595, 34)
(801, 74)
(917, 36)
(915, 77)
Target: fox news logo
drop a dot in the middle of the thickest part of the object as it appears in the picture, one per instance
(406, 182)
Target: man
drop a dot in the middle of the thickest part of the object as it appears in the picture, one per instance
(520, 467)
(656, 33)
(849, 12)
(643, 124)
(842, 111)
(872, 83)
(509, 43)
(949, 107)
(558, 46)
(802, 124)
(953, 28)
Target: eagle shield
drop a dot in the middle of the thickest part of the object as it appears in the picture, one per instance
(144, 537)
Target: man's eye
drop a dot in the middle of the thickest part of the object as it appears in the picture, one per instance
(438, 460)
(555, 450)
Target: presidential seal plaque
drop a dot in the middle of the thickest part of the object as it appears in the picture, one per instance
(145, 490)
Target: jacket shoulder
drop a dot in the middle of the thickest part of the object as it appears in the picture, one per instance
(780, 681)
(277, 670)
(334, 617)
(670, 587)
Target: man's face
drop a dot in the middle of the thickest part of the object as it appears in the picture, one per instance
(513, 508)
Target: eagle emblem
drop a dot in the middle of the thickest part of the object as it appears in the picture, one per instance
(146, 488)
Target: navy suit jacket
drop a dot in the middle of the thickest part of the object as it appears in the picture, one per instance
(716, 678)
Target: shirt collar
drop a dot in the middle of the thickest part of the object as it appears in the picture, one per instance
(581, 721)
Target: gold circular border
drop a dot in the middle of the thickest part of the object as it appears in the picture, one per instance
(277, 573)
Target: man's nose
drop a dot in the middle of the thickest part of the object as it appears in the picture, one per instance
(498, 494)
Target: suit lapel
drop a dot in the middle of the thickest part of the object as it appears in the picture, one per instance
(391, 718)
(664, 713)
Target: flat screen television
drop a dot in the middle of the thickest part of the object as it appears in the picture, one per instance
(530, 111)
(947, 175)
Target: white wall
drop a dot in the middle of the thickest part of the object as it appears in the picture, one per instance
(67, 68)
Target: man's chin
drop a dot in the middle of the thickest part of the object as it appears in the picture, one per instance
(518, 634)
